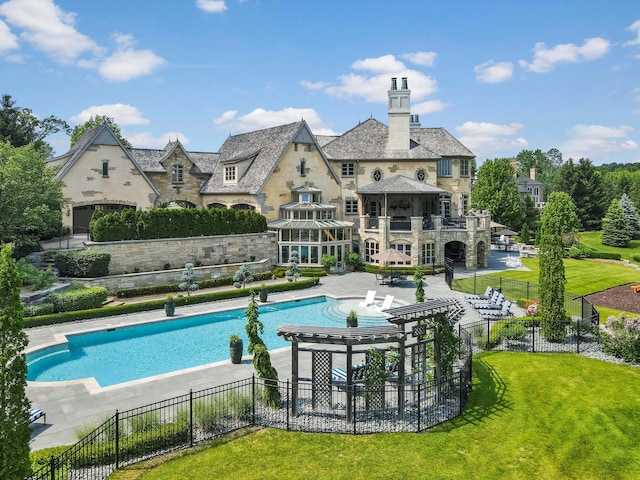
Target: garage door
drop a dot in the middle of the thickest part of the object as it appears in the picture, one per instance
(82, 215)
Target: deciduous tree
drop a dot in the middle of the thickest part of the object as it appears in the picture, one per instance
(31, 199)
(497, 191)
(14, 405)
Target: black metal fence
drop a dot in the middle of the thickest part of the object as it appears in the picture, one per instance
(576, 306)
(181, 422)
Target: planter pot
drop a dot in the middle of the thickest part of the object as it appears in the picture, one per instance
(235, 351)
(264, 293)
(169, 308)
(352, 321)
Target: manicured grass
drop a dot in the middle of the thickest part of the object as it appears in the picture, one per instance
(542, 416)
(593, 240)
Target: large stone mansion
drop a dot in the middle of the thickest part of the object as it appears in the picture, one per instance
(369, 189)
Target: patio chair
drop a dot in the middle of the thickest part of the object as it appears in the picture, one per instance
(496, 305)
(480, 301)
(339, 375)
(388, 301)
(484, 296)
(504, 312)
(35, 414)
(369, 299)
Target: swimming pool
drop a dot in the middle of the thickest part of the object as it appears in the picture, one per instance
(123, 354)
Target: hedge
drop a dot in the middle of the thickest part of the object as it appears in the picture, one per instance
(82, 263)
(78, 299)
(159, 303)
(132, 224)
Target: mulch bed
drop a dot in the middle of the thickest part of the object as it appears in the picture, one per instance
(619, 298)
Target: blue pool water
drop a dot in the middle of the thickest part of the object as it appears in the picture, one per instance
(129, 353)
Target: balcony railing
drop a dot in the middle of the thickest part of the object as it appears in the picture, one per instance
(431, 222)
(454, 223)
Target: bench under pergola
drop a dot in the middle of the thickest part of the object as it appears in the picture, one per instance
(424, 314)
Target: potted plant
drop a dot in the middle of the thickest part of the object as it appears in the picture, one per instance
(352, 260)
(263, 292)
(352, 319)
(328, 261)
(169, 306)
(235, 348)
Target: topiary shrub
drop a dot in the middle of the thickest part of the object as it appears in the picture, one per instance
(42, 309)
(78, 298)
(82, 263)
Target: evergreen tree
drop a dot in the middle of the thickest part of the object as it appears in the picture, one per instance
(496, 190)
(552, 278)
(261, 356)
(633, 218)
(188, 279)
(418, 281)
(615, 227)
(585, 186)
(14, 405)
(242, 277)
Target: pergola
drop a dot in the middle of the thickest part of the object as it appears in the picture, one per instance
(425, 314)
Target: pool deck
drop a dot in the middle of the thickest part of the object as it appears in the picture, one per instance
(70, 405)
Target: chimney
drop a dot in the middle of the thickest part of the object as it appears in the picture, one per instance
(399, 112)
(532, 173)
(414, 121)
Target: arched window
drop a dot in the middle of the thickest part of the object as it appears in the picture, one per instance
(404, 248)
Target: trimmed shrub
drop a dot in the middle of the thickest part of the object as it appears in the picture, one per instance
(36, 310)
(78, 299)
(64, 317)
(82, 263)
(622, 338)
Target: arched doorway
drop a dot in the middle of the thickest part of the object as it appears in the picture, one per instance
(456, 251)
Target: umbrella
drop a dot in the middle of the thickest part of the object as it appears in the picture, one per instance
(497, 225)
(506, 232)
(391, 255)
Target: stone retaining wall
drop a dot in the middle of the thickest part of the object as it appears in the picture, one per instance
(113, 283)
(153, 255)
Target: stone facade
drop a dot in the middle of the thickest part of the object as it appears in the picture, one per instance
(152, 255)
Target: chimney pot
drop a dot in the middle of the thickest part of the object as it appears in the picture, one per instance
(394, 83)
(404, 83)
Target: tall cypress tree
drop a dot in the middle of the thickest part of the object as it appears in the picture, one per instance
(552, 277)
(14, 405)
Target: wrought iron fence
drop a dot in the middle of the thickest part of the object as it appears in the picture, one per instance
(145, 432)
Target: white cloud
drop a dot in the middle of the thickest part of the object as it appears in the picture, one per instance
(491, 72)
(261, 118)
(597, 141)
(128, 64)
(489, 139)
(636, 94)
(211, 6)
(634, 27)
(545, 59)
(148, 140)
(372, 84)
(427, 107)
(49, 29)
(121, 113)
(426, 59)
(8, 41)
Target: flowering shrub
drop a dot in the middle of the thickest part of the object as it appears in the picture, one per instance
(622, 338)
(531, 308)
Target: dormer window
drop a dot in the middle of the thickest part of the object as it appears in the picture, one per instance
(105, 168)
(230, 174)
(176, 173)
(305, 198)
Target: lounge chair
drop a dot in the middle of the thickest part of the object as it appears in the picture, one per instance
(339, 375)
(35, 414)
(388, 301)
(484, 296)
(369, 299)
(504, 312)
(496, 305)
(493, 298)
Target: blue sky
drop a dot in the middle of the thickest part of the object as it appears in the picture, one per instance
(502, 76)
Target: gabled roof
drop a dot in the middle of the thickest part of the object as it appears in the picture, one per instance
(100, 135)
(401, 184)
(368, 141)
(266, 147)
(152, 160)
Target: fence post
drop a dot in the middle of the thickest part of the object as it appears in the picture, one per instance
(527, 297)
(460, 373)
(253, 399)
(191, 417)
(288, 405)
(578, 332)
(52, 467)
(474, 283)
(355, 395)
(533, 335)
(419, 406)
(117, 439)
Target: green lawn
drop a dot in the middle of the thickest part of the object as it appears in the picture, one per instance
(542, 416)
(593, 240)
